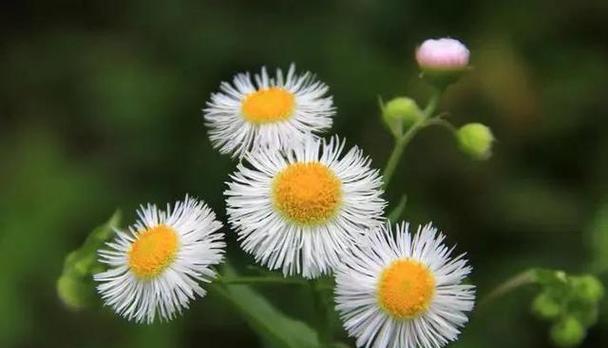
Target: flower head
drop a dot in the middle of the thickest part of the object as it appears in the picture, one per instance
(300, 210)
(275, 112)
(155, 266)
(398, 290)
(442, 55)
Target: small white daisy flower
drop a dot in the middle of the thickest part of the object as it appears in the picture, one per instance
(395, 290)
(271, 112)
(302, 209)
(155, 267)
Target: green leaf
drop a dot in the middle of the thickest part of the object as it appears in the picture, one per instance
(75, 292)
(75, 286)
(271, 324)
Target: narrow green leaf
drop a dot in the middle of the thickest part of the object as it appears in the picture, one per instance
(75, 286)
(271, 324)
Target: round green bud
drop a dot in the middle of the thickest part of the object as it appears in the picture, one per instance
(567, 332)
(588, 288)
(475, 140)
(401, 113)
(546, 307)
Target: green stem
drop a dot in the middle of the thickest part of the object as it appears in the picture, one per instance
(432, 103)
(407, 137)
(524, 278)
(395, 156)
(260, 280)
(438, 121)
(322, 312)
(396, 212)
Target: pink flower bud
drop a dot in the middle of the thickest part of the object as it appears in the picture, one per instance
(442, 54)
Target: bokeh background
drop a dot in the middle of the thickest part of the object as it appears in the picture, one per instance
(100, 107)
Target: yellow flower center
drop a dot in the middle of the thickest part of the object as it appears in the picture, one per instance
(307, 193)
(406, 289)
(153, 251)
(268, 105)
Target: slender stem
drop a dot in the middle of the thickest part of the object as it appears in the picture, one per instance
(395, 156)
(322, 312)
(395, 214)
(438, 121)
(432, 103)
(523, 278)
(260, 280)
(405, 139)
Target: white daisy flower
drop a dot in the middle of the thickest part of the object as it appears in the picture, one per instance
(155, 267)
(302, 209)
(395, 290)
(273, 112)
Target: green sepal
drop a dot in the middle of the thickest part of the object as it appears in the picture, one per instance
(442, 78)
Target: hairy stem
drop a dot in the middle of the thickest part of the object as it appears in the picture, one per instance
(432, 103)
(523, 278)
(395, 156)
(397, 211)
(402, 142)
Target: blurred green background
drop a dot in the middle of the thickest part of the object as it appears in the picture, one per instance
(100, 108)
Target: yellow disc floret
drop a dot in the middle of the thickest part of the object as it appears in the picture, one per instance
(268, 105)
(152, 251)
(307, 193)
(406, 289)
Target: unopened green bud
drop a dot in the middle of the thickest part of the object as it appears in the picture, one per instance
(475, 140)
(588, 288)
(568, 332)
(75, 292)
(545, 306)
(401, 113)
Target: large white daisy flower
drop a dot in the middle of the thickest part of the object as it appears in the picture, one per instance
(301, 210)
(403, 291)
(156, 266)
(273, 112)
